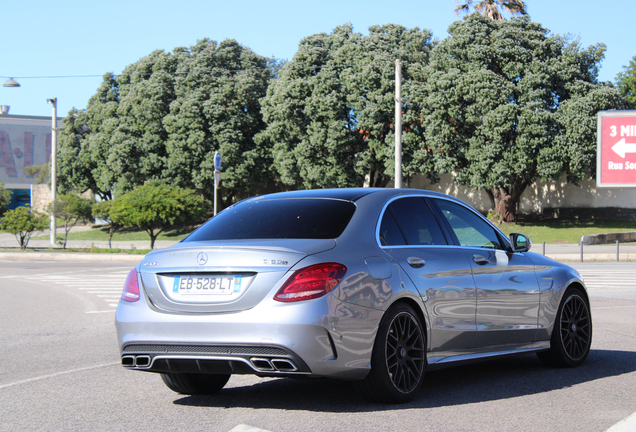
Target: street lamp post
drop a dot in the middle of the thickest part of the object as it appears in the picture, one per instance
(53, 166)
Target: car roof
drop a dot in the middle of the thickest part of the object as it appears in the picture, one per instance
(350, 194)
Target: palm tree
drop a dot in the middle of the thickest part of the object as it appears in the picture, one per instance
(490, 8)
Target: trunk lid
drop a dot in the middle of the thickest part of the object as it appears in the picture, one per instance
(221, 276)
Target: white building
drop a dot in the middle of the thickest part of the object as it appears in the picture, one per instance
(24, 141)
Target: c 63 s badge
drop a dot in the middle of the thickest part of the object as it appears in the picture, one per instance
(280, 262)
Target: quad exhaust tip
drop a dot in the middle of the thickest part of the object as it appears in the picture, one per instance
(136, 361)
(272, 365)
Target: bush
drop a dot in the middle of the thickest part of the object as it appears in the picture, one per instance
(22, 223)
(155, 207)
(72, 209)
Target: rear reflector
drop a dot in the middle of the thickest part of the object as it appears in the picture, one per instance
(311, 282)
(131, 287)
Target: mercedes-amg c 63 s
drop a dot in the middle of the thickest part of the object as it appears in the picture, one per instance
(375, 286)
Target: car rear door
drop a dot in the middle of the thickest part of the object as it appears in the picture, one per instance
(507, 287)
(410, 234)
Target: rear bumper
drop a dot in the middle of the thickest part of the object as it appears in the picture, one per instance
(321, 337)
(213, 359)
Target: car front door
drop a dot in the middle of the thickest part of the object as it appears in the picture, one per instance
(410, 234)
(507, 288)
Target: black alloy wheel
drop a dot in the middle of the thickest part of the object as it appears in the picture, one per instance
(575, 325)
(398, 361)
(572, 333)
(405, 352)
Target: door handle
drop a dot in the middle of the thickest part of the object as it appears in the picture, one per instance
(415, 262)
(480, 260)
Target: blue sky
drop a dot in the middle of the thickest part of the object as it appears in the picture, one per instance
(69, 38)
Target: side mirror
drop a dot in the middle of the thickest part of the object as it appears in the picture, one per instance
(520, 242)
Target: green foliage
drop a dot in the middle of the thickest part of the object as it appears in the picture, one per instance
(626, 82)
(5, 199)
(503, 103)
(23, 224)
(330, 113)
(216, 107)
(155, 207)
(72, 209)
(163, 118)
(78, 159)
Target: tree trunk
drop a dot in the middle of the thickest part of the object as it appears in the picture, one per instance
(153, 237)
(505, 205)
(491, 197)
(507, 200)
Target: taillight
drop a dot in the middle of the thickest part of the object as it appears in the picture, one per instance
(311, 282)
(131, 287)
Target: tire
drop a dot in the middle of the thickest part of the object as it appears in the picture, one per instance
(572, 332)
(194, 384)
(398, 360)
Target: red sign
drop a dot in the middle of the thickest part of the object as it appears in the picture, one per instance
(616, 160)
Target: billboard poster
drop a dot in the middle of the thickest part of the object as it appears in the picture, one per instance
(24, 141)
(616, 149)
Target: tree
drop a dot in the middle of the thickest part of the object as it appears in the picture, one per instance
(77, 164)
(330, 114)
(72, 209)
(626, 82)
(216, 107)
(163, 118)
(101, 210)
(5, 199)
(23, 224)
(155, 207)
(490, 8)
(504, 103)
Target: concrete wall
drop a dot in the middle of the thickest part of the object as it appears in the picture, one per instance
(541, 197)
(40, 197)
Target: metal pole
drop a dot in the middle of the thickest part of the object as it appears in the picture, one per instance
(215, 193)
(53, 165)
(617, 251)
(581, 251)
(398, 124)
(543, 248)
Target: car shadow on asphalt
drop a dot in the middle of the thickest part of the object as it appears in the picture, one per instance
(481, 382)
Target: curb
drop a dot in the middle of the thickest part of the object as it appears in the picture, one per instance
(597, 257)
(70, 256)
(608, 238)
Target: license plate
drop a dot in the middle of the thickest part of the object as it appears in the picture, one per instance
(207, 285)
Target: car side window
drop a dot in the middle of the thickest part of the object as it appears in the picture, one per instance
(390, 234)
(415, 221)
(469, 228)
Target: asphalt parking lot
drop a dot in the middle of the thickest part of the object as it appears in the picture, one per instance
(60, 371)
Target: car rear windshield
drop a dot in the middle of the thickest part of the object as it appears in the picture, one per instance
(305, 218)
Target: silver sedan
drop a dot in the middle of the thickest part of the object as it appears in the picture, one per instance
(370, 285)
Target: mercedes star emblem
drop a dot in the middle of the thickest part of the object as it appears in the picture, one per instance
(202, 258)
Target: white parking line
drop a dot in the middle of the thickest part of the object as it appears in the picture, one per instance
(106, 287)
(3, 386)
(247, 428)
(628, 424)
